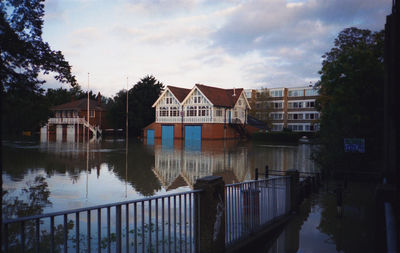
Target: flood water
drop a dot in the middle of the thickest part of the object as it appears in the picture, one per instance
(42, 177)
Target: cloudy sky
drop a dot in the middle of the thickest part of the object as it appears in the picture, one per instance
(224, 43)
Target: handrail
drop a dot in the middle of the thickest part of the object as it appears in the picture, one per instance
(9, 221)
(260, 180)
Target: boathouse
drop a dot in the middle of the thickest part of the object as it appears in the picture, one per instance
(70, 120)
(203, 112)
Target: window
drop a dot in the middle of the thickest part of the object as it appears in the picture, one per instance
(91, 113)
(295, 116)
(191, 111)
(276, 116)
(311, 92)
(235, 114)
(277, 105)
(295, 105)
(203, 111)
(296, 93)
(197, 99)
(163, 111)
(296, 127)
(310, 104)
(276, 93)
(174, 112)
(168, 100)
(240, 102)
(218, 113)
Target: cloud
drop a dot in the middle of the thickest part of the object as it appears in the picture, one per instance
(296, 33)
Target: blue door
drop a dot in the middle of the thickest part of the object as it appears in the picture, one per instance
(150, 136)
(229, 117)
(193, 137)
(167, 136)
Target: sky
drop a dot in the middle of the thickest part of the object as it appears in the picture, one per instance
(222, 43)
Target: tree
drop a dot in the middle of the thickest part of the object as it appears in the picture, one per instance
(351, 99)
(261, 106)
(23, 56)
(141, 98)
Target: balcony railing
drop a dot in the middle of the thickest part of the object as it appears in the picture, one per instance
(66, 121)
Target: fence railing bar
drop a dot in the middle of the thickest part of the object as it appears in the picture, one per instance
(174, 223)
(127, 227)
(99, 230)
(118, 227)
(163, 225)
(169, 224)
(135, 227)
(150, 249)
(40, 216)
(108, 230)
(37, 235)
(185, 220)
(180, 223)
(190, 222)
(156, 225)
(88, 231)
(23, 236)
(143, 232)
(65, 233)
(52, 234)
(77, 231)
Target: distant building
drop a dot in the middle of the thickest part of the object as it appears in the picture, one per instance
(71, 119)
(291, 108)
(203, 112)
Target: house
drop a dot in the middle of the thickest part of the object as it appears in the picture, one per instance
(71, 119)
(291, 108)
(203, 112)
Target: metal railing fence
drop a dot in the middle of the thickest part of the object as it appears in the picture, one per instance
(156, 224)
(251, 205)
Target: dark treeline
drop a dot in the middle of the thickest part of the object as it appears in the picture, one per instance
(351, 100)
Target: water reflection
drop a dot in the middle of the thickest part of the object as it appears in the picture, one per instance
(98, 172)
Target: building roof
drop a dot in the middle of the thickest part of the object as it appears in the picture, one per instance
(80, 104)
(220, 97)
(179, 93)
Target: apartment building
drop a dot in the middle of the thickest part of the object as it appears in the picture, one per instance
(291, 108)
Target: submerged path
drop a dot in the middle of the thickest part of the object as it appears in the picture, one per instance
(317, 227)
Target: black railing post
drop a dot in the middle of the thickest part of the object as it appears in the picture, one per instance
(256, 174)
(294, 189)
(210, 214)
(266, 171)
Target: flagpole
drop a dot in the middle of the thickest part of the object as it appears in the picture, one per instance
(126, 131)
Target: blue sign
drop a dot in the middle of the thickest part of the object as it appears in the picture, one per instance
(354, 145)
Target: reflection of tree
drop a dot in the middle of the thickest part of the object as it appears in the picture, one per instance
(31, 200)
(354, 232)
(70, 159)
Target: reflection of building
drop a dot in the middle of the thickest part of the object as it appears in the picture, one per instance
(292, 108)
(176, 167)
(71, 119)
(202, 112)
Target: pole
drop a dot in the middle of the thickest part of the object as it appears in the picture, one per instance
(126, 151)
(88, 105)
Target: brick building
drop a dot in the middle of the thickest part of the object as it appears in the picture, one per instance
(291, 108)
(203, 112)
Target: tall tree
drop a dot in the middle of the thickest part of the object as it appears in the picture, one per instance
(23, 56)
(141, 98)
(261, 106)
(351, 99)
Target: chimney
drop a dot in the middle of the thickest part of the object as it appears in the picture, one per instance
(99, 99)
(234, 92)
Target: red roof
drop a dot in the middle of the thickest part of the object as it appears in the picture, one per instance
(80, 104)
(179, 93)
(220, 97)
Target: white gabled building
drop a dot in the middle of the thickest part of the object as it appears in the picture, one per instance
(207, 112)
